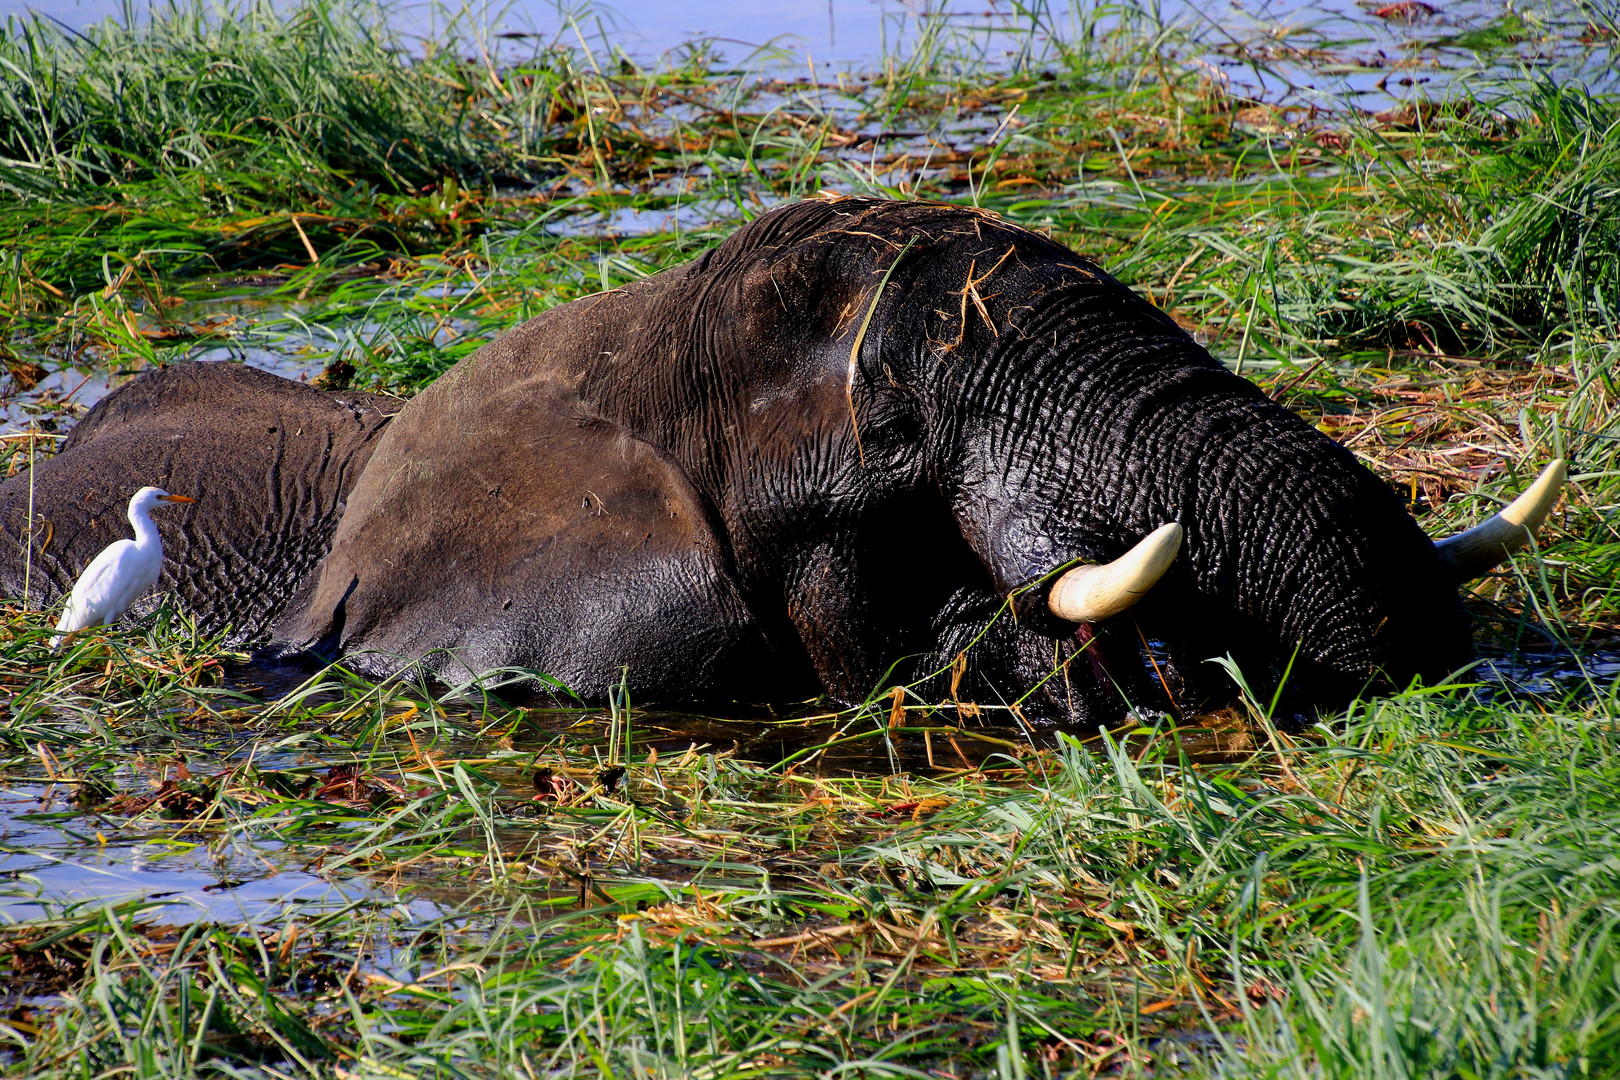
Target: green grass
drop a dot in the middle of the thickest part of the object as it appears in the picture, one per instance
(248, 107)
(1425, 886)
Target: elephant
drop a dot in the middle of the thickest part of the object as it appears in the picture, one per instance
(858, 442)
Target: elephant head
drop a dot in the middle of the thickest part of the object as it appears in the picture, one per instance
(1067, 421)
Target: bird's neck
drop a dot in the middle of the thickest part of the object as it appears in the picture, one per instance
(146, 534)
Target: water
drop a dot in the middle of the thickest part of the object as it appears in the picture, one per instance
(57, 854)
(1273, 47)
(244, 329)
(832, 31)
(54, 856)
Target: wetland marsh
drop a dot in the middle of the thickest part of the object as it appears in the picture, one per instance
(1402, 221)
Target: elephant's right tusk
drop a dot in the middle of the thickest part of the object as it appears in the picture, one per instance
(1093, 593)
(1476, 551)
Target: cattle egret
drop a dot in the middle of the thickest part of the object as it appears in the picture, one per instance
(123, 571)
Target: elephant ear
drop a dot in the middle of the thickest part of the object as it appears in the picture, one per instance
(1480, 549)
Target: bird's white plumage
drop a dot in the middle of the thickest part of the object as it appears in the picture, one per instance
(124, 570)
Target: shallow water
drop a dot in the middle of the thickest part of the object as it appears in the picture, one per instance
(277, 334)
(53, 856)
(1262, 44)
(62, 395)
(241, 328)
(56, 855)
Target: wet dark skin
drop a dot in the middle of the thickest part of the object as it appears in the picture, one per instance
(688, 477)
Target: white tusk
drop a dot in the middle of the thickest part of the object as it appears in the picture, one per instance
(1475, 551)
(1093, 593)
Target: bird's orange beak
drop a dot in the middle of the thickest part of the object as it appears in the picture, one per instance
(175, 498)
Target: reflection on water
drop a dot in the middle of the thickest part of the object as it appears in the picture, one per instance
(1275, 47)
(53, 855)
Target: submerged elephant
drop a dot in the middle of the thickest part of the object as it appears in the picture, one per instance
(825, 454)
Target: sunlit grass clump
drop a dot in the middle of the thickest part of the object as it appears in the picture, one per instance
(257, 105)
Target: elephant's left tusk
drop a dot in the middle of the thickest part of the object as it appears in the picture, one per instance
(1094, 593)
(1476, 551)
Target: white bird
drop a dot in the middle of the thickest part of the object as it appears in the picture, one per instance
(122, 572)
